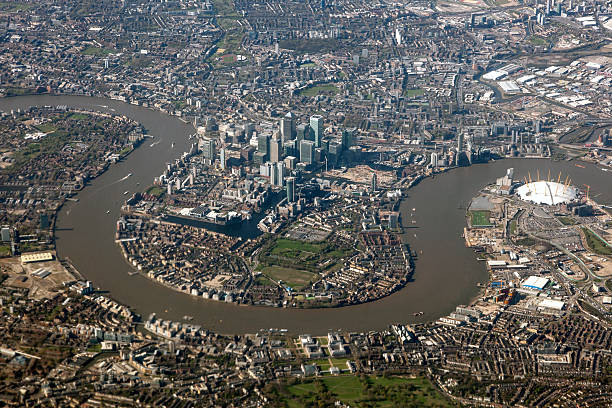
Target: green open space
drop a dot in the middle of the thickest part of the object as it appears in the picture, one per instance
(298, 263)
(294, 249)
(5, 250)
(50, 144)
(324, 89)
(17, 91)
(78, 116)
(567, 220)
(355, 391)
(480, 218)
(596, 244)
(46, 127)
(233, 33)
(322, 363)
(526, 241)
(537, 40)
(339, 362)
(294, 278)
(411, 93)
(155, 191)
(513, 226)
(96, 348)
(126, 150)
(97, 51)
(14, 6)
(139, 61)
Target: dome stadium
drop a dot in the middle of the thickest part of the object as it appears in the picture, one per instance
(547, 192)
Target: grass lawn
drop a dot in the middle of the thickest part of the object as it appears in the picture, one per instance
(340, 362)
(411, 93)
(51, 144)
(480, 218)
(296, 262)
(513, 226)
(325, 89)
(527, 241)
(595, 244)
(14, 6)
(227, 19)
(322, 363)
(155, 191)
(294, 278)
(125, 150)
(97, 51)
(567, 220)
(5, 250)
(536, 40)
(293, 249)
(78, 116)
(46, 127)
(96, 348)
(369, 391)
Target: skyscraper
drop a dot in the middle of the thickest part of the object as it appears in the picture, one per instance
(275, 150)
(291, 189)
(223, 158)
(316, 124)
(208, 149)
(347, 137)
(263, 144)
(280, 172)
(434, 159)
(307, 151)
(302, 131)
(287, 127)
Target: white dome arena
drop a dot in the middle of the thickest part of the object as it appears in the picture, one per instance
(547, 192)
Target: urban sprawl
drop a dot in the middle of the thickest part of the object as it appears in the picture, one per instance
(311, 122)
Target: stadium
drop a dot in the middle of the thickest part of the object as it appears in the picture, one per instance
(547, 192)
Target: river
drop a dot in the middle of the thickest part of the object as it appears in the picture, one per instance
(446, 271)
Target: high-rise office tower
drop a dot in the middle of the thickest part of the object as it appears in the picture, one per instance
(263, 145)
(307, 151)
(287, 127)
(291, 189)
(280, 172)
(208, 149)
(347, 137)
(223, 158)
(302, 131)
(316, 124)
(276, 151)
